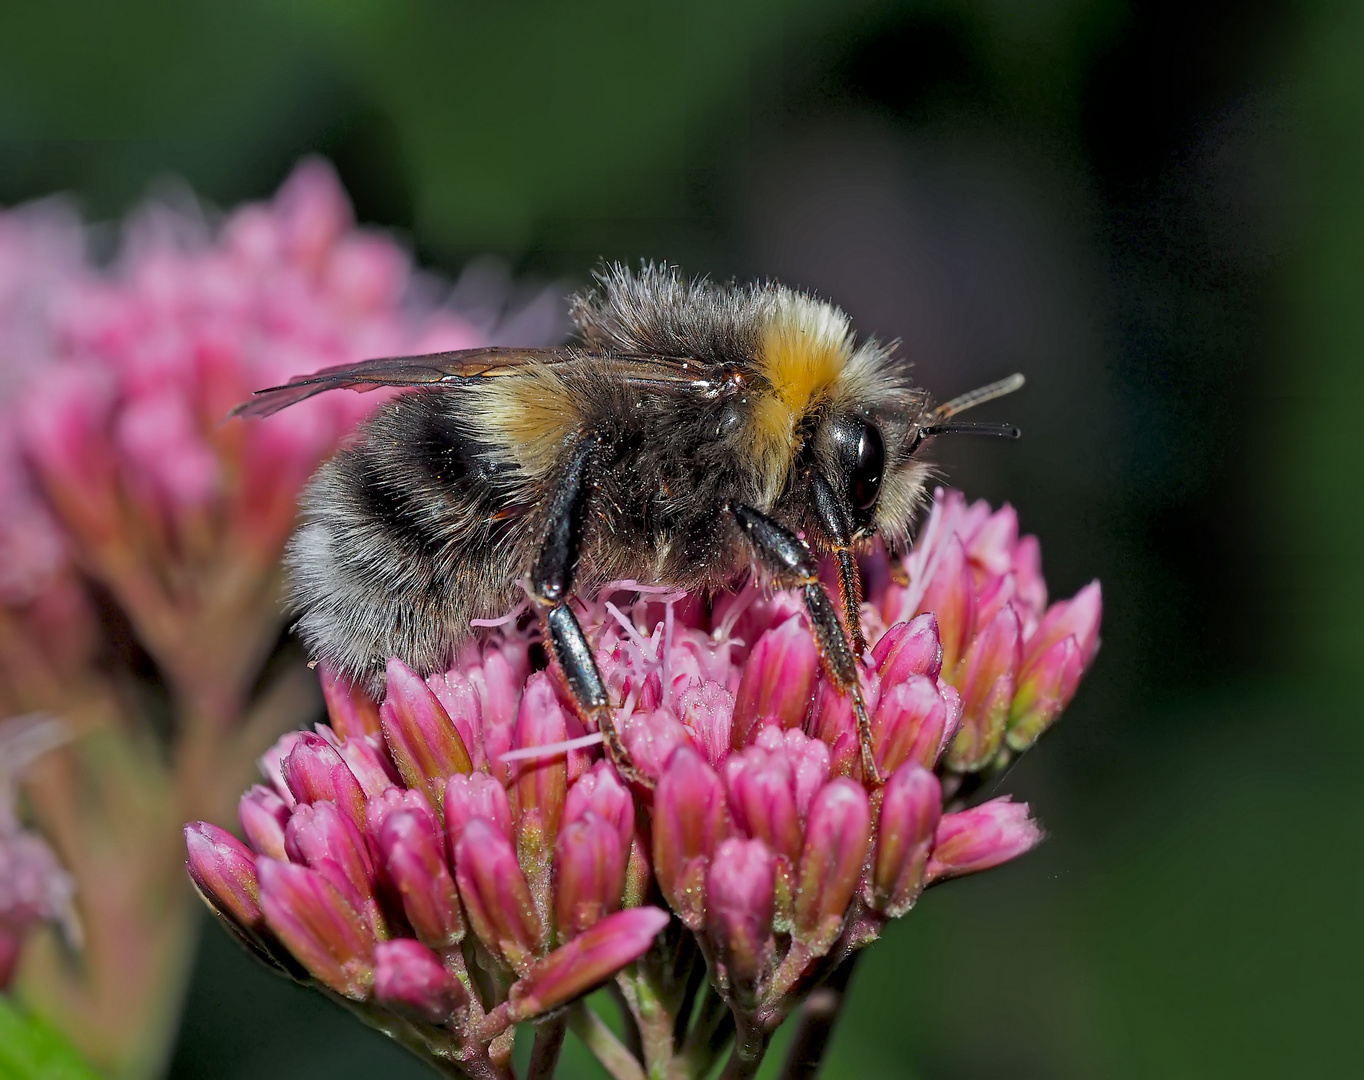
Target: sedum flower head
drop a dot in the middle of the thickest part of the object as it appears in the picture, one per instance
(463, 856)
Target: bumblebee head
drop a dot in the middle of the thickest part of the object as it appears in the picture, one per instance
(843, 416)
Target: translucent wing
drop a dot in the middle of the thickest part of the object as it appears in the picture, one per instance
(448, 367)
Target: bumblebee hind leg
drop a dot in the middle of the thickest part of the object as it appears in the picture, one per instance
(792, 565)
(551, 583)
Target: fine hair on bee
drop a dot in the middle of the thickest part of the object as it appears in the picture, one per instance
(691, 433)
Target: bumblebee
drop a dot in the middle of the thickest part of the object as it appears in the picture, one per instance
(692, 431)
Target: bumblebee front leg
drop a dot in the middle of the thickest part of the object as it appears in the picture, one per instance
(834, 517)
(551, 585)
(792, 565)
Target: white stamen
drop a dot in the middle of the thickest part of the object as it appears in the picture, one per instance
(534, 753)
(506, 620)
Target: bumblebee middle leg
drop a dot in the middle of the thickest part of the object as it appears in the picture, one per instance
(551, 583)
(792, 565)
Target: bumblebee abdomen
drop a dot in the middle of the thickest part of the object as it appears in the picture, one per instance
(407, 535)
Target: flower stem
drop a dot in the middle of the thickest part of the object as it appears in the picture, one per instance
(818, 1016)
(544, 1055)
(605, 1047)
(750, 1044)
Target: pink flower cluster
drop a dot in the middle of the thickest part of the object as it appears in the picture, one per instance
(476, 799)
(404, 850)
(113, 454)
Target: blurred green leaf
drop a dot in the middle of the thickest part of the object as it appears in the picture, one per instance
(30, 1049)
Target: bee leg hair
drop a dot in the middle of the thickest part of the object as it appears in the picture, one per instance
(792, 565)
(551, 583)
(835, 519)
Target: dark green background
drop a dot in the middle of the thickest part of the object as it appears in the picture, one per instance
(1155, 209)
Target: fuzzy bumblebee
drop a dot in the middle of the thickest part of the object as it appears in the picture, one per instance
(692, 431)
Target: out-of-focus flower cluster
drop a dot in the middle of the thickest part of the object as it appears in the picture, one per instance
(34, 888)
(114, 461)
(447, 856)
(140, 535)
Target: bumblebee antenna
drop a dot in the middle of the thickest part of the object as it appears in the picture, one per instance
(978, 396)
(1003, 431)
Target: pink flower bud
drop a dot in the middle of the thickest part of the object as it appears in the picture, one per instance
(993, 594)
(1078, 617)
(160, 442)
(409, 978)
(809, 759)
(413, 854)
(424, 743)
(350, 709)
(316, 923)
(832, 716)
(367, 758)
(460, 701)
(987, 691)
(908, 724)
(541, 783)
(322, 837)
(911, 804)
(585, 962)
(950, 596)
(651, 738)
(689, 820)
(271, 765)
(589, 873)
(1030, 585)
(477, 795)
(66, 434)
(740, 899)
(225, 871)
(907, 649)
(1043, 692)
(762, 799)
(389, 802)
(982, 837)
(263, 815)
(498, 678)
(600, 791)
(706, 710)
(778, 681)
(496, 896)
(311, 210)
(992, 544)
(314, 772)
(836, 840)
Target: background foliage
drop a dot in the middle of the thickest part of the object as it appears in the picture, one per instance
(1156, 210)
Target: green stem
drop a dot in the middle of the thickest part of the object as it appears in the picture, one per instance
(544, 1055)
(818, 1017)
(654, 1018)
(750, 1044)
(605, 1047)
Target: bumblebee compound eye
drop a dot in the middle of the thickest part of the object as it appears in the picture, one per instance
(868, 466)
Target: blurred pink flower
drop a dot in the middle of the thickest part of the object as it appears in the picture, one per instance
(116, 382)
(34, 887)
(140, 541)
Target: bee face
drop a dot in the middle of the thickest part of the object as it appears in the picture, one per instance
(842, 410)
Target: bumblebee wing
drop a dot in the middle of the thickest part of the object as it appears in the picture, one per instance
(425, 370)
(446, 367)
